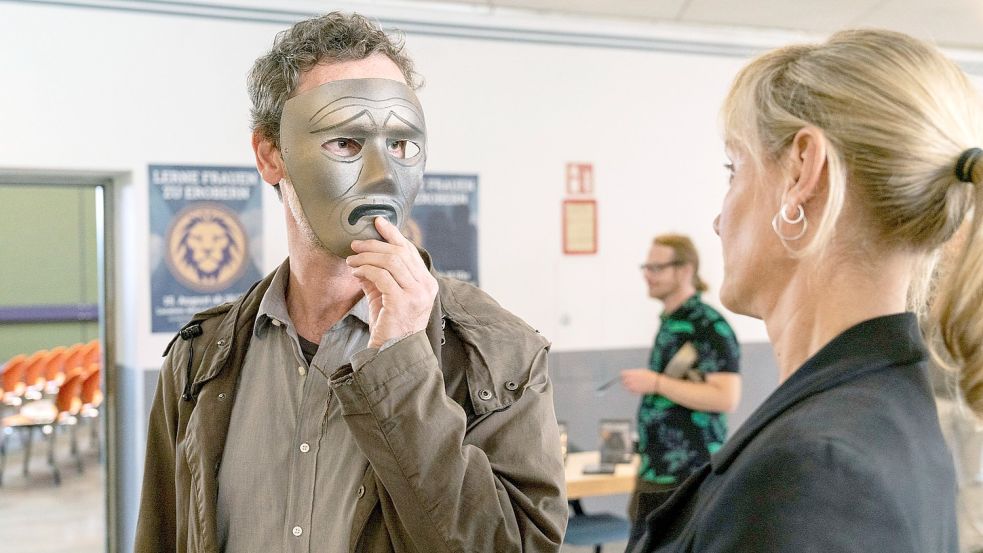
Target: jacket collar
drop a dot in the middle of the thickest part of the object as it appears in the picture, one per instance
(503, 380)
(239, 319)
(868, 347)
(494, 382)
(233, 328)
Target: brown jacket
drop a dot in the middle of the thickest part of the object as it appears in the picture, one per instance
(457, 424)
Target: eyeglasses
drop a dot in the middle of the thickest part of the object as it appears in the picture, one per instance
(658, 267)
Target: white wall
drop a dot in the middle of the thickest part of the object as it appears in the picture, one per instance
(517, 113)
(94, 89)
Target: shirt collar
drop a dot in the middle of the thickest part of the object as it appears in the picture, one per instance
(273, 306)
(360, 311)
(870, 346)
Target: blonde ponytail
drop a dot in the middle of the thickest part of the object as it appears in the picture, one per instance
(957, 317)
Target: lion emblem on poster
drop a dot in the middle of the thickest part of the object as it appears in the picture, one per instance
(206, 248)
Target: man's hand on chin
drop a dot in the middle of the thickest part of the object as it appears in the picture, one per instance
(396, 282)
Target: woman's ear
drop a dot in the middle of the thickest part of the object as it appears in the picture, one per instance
(807, 165)
(269, 162)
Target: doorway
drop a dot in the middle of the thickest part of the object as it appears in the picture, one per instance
(57, 417)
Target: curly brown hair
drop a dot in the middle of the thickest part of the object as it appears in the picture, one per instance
(335, 36)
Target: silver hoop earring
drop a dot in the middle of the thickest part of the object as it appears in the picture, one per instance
(800, 218)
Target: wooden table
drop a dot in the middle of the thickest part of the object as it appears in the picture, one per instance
(580, 485)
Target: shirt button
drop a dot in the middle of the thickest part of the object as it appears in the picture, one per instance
(298, 531)
(276, 322)
(511, 386)
(361, 491)
(485, 394)
(304, 447)
(301, 370)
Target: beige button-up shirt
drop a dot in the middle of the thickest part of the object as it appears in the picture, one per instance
(289, 477)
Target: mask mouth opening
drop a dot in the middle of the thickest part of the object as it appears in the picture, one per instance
(372, 210)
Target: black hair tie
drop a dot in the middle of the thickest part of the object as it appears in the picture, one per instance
(964, 166)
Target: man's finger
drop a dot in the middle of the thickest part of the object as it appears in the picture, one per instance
(396, 244)
(407, 252)
(389, 232)
(381, 278)
(378, 246)
(393, 263)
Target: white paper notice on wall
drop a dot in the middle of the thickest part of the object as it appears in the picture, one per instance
(579, 227)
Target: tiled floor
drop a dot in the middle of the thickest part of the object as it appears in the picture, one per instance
(38, 517)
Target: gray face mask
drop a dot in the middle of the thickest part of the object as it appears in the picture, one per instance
(354, 149)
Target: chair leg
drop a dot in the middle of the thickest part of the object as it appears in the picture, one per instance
(94, 436)
(51, 457)
(3, 454)
(97, 431)
(27, 450)
(76, 451)
(597, 548)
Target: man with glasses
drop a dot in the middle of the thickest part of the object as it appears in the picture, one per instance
(691, 382)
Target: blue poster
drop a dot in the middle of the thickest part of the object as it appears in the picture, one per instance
(446, 217)
(206, 229)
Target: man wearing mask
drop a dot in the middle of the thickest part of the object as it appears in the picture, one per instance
(351, 400)
(692, 379)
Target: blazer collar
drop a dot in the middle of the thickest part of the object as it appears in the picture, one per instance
(870, 346)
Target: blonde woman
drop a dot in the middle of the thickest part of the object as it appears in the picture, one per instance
(853, 162)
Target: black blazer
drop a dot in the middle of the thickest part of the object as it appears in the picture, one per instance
(846, 455)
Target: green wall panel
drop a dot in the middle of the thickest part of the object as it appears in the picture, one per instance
(47, 257)
(30, 337)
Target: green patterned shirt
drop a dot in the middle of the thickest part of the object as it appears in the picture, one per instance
(673, 440)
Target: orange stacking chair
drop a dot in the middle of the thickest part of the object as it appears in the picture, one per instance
(35, 374)
(91, 391)
(68, 402)
(46, 417)
(75, 359)
(27, 370)
(54, 369)
(12, 380)
(93, 354)
(91, 400)
(69, 406)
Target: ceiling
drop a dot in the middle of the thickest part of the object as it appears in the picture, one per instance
(949, 23)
